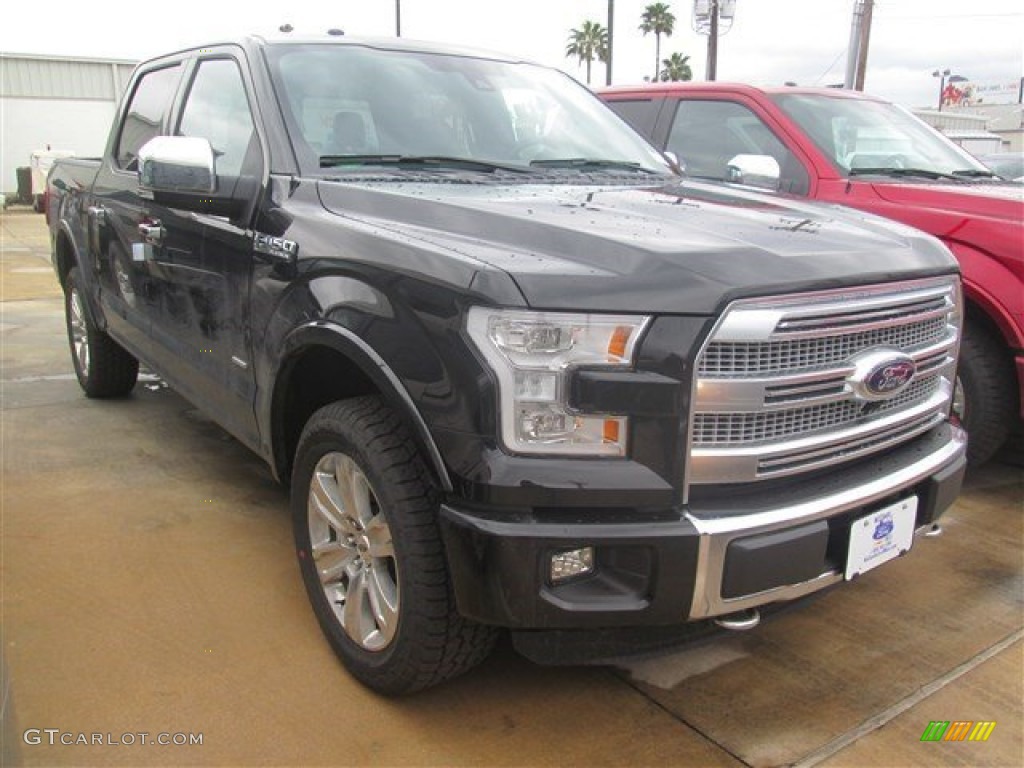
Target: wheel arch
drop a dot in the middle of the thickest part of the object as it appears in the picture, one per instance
(991, 290)
(65, 254)
(322, 363)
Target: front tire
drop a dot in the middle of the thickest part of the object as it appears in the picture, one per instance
(370, 552)
(103, 367)
(985, 398)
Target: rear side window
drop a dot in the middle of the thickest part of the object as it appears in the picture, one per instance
(639, 113)
(145, 115)
(706, 135)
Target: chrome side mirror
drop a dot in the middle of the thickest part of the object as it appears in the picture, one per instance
(177, 164)
(754, 171)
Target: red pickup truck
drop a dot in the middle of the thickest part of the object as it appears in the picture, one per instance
(849, 148)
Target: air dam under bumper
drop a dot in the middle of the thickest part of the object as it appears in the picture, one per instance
(710, 558)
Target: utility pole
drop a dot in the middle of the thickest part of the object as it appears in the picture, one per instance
(398, 18)
(865, 38)
(712, 65)
(713, 18)
(857, 53)
(611, 41)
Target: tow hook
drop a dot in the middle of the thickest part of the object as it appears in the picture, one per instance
(740, 621)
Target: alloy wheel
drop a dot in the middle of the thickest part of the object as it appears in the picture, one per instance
(351, 545)
(79, 333)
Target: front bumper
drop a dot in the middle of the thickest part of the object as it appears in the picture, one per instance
(717, 555)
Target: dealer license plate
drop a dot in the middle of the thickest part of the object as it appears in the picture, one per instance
(881, 536)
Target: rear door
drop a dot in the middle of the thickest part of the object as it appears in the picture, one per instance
(124, 226)
(639, 110)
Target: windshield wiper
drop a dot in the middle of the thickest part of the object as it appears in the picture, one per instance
(420, 161)
(923, 173)
(974, 173)
(583, 163)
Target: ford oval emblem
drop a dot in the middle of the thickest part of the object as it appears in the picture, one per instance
(879, 374)
(890, 377)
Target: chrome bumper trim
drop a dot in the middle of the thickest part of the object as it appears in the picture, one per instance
(716, 534)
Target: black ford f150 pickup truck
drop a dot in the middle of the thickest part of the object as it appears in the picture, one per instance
(517, 372)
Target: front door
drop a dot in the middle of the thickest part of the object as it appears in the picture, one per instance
(203, 272)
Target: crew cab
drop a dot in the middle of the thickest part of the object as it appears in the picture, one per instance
(517, 372)
(845, 147)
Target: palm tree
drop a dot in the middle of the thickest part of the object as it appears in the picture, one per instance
(588, 43)
(676, 67)
(657, 18)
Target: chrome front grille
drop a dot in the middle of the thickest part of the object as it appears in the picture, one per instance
(739, 428)
(781, 383)
(757, 358)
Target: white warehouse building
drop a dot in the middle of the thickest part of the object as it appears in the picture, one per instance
(66, 103)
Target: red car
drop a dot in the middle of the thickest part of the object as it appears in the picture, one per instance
(839, 146)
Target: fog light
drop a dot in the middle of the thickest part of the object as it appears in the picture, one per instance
(575, 562)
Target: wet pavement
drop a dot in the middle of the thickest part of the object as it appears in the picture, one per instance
(149, 587)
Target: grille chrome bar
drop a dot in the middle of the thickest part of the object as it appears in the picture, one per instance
(752, 358)
(864, 320)
(799, 462)
(782, 423)
(757, 394)
(742, 462)
(765, 407)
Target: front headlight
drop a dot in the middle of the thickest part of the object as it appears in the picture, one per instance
(532, 354)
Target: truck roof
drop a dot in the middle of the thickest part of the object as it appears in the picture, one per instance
(718, 87)
(253, 41)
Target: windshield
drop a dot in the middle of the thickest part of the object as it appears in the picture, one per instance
(862, 136)
(351, 106)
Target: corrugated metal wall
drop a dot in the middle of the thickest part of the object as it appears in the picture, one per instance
(57, 102)
(31, 77)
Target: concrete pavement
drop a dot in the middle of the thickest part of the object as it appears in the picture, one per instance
(149, 586)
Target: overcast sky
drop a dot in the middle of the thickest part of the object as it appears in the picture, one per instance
(772, 41)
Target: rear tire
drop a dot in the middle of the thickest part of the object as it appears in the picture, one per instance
(370, 551)
(103, 367)
(986, 401)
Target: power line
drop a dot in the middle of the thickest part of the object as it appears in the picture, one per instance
(834, 62)
(955, 16)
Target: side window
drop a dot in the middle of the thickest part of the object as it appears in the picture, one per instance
(217, 109)
(145, 114)
(706, 135)
(639, 113)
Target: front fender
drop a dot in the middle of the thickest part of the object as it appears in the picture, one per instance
(995, 289)
(322, 333)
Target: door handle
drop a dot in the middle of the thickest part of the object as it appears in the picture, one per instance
(151, 231)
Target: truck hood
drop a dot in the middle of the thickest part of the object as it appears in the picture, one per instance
(1004, 201)
(682, 248)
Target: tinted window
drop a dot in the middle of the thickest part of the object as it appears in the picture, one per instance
(349, 100)
(146, 113)
(639, 113)
(866, 136)
(706, 135)
(217, 109)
